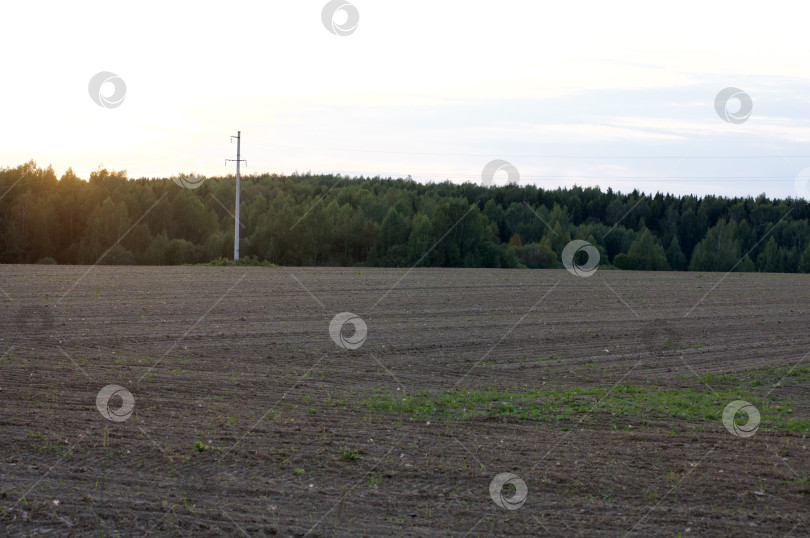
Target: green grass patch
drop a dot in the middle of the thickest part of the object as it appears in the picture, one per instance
(622, 402)
(785, 375)
(349, 454)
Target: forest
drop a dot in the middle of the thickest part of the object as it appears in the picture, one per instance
(331, 220)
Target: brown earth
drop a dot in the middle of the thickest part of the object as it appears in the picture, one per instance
(241, 361)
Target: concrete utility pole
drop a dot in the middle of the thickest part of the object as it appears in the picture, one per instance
(239, 159)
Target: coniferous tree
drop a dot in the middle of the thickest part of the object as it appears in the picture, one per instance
(645, 254)
(675, 256)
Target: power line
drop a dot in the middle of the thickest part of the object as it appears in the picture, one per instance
(474, 178)
(524, 178)
(535, 156)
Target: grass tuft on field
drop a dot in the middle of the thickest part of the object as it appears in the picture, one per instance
(646, 402)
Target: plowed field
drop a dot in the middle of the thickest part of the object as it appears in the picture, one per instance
(236, 411)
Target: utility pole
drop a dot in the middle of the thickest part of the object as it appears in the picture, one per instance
(238, 159)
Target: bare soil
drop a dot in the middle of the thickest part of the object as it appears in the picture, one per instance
(250, 420)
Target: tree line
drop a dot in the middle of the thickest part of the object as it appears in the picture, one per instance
(331, 220)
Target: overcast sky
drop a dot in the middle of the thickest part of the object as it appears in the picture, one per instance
(615, 94)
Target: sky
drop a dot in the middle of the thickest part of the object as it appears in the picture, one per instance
(610, 94)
